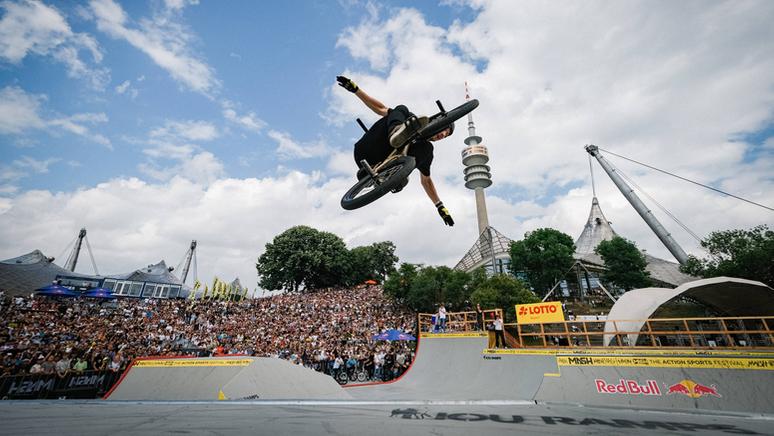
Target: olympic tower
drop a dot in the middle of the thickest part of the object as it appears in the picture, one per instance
(477, 176)
(491, 249)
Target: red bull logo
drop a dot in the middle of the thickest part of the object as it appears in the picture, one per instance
(692, 389)
(628, 387)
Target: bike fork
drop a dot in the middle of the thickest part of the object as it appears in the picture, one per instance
(364, 165)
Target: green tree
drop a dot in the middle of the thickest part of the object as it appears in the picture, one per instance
(624, 264)
(372, 262)
(503, 291)
(543, 257)
(434, 285)
(747, 254)
(398, 284)
(303, 257)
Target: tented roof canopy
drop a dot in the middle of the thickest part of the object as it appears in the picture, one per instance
(23, 274)
(728, 296)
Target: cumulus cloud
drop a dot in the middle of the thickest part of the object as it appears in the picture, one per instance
(163, 38)
(188, 130)
(171, 151)
(20, 112)
(21, 168)
(32, 27)
(248, 121)
(288, 148)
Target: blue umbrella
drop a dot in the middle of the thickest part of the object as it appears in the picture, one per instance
(99, 293)
(55, 291)
(393, 335)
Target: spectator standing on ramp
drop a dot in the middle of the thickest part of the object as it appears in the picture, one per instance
(498, 328)
(442, 318)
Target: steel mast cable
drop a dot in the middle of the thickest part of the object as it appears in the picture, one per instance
(663, 209)
(65, 251)
(689, 180)
(91, 255)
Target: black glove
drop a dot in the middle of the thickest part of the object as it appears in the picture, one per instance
(347, 84)
(444, 212)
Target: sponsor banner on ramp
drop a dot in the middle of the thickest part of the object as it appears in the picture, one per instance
(165, 363)
(668, 362)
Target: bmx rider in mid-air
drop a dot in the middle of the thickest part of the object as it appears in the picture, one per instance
(392, 131)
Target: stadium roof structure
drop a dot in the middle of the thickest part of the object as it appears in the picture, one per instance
(727, 296)
(158, 273)
(480, 254)
(598, 229)
(24, 274)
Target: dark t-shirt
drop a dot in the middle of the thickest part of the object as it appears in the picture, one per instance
(374, 147)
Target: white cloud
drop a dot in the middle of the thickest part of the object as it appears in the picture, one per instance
(248, 121)
(120, 89)
(75, 124)
(163, 39)
(188, 130)
(32, 27)
(21, 168)
(20, 112)
(288, 148)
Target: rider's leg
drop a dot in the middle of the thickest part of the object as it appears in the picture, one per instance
(401, 124)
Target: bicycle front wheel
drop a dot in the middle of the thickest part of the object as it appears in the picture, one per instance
(368, 190)
(442, 122)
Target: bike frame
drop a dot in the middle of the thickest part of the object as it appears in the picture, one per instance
(396, 153)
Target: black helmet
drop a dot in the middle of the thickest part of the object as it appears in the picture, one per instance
(450, 126)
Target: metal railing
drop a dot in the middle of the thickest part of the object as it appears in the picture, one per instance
(458, 321)
(722, 332)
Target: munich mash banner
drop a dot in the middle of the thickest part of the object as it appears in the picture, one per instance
(539, 313)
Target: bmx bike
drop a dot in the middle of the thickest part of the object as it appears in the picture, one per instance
(390, 174)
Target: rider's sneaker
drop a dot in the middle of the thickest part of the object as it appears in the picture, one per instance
(402, 132)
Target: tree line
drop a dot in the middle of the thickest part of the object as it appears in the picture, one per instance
(304, 258)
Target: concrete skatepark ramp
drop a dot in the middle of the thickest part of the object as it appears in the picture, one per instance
(222, 378)
(452, 367)
(457, 367)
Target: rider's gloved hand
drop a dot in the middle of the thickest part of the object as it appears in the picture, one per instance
(347, 84)
(444, 212)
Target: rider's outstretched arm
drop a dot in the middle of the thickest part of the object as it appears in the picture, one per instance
(429, 187)
(372, 103)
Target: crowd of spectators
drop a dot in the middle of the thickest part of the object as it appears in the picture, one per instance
(329, 330)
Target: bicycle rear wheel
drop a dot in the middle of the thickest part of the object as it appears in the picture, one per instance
(367, 190)
(443, 121)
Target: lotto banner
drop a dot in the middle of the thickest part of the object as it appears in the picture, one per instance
(539, 313)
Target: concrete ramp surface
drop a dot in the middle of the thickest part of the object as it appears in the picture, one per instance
(458, 367)
(224, 378)
(454, 367)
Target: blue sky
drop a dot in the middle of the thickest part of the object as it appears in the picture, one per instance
(154, 123)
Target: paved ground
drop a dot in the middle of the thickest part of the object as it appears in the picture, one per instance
(355, 418)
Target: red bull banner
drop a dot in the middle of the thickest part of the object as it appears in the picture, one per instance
(539, 313)
(686, 387)
(628, 387)
(693, 389)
